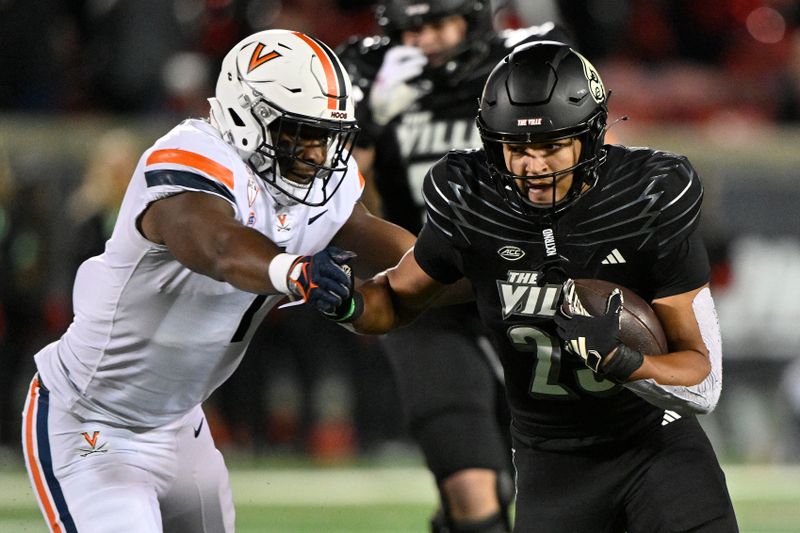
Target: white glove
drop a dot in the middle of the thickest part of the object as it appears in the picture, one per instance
(391, 94)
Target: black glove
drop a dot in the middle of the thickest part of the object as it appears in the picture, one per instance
(596, 338)
(323, 280)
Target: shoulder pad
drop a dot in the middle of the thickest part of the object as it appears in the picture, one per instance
(189, 149)
(644, 194)
(461, 201)
(681, 195)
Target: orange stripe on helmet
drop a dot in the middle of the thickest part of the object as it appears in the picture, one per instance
(361, 181)
(193, 160)
(36, 475)
(327, 67)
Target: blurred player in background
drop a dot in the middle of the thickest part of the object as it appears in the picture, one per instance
(419, 86)
(605, 438)
(222, 219)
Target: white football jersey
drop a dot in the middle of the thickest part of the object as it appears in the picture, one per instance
(150, 338)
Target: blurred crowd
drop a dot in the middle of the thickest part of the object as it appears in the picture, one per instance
(307, 385)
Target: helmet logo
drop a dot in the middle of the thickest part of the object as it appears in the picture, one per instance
(256, 60)
(529, 121)
(596, 88)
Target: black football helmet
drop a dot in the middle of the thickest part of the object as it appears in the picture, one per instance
(543, 91)
(395, 16)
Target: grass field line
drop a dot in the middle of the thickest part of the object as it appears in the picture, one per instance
(305, 486)
(401, 485)
(333, 487)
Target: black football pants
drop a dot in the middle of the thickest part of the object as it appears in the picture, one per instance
(665, 480)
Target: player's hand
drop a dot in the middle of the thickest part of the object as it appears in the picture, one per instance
(391, 93)
(596, 338)
(324, 280)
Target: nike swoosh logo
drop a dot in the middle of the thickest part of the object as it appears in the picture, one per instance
(315, 217)
(197, 431)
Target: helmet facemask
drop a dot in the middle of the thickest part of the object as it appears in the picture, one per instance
(281, 159)
(584, 171)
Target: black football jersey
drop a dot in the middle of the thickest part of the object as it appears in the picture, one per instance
(635, 227)
(442, 120)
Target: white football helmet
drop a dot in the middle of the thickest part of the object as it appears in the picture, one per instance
(280, 92)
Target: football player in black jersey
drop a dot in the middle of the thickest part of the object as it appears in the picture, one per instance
(605, 438)
(421, 82)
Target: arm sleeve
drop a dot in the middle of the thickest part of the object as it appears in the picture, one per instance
(700, 398)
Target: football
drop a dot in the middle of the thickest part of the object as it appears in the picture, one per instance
(640, 328)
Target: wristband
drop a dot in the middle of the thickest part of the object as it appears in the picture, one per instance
(352, 312)
(624, 363)
(278, 271)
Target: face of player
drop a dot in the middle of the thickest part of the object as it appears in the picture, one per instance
(308, 149)
(438, 39)
(539, 159)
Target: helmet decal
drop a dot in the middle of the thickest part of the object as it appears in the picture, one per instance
(596, 88)
(256, 60)
(332, 70)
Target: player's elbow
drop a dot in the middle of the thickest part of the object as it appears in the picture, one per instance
(704, 396)
(701, 370)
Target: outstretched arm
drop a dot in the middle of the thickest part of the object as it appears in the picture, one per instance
(202, 233)
(379, 244)
(396, 297)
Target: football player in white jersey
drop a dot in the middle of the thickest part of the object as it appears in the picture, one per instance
(222, 219)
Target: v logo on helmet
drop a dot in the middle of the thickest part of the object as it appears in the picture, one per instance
(256, 60)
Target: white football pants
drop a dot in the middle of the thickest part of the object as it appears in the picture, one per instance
(96, 477)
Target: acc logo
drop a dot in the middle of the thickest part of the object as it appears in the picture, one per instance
(596, 88)
(511, 253)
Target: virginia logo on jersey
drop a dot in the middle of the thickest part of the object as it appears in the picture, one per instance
(284, 223)
(520, 295)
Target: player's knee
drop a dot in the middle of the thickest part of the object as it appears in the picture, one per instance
(471, 493)
(473, 502)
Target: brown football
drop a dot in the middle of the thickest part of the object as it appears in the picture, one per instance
(640, 329)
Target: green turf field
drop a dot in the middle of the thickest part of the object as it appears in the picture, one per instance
(397, 500)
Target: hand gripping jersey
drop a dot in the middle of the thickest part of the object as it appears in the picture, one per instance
(635, 227)
(151, 339)
(442, 120)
